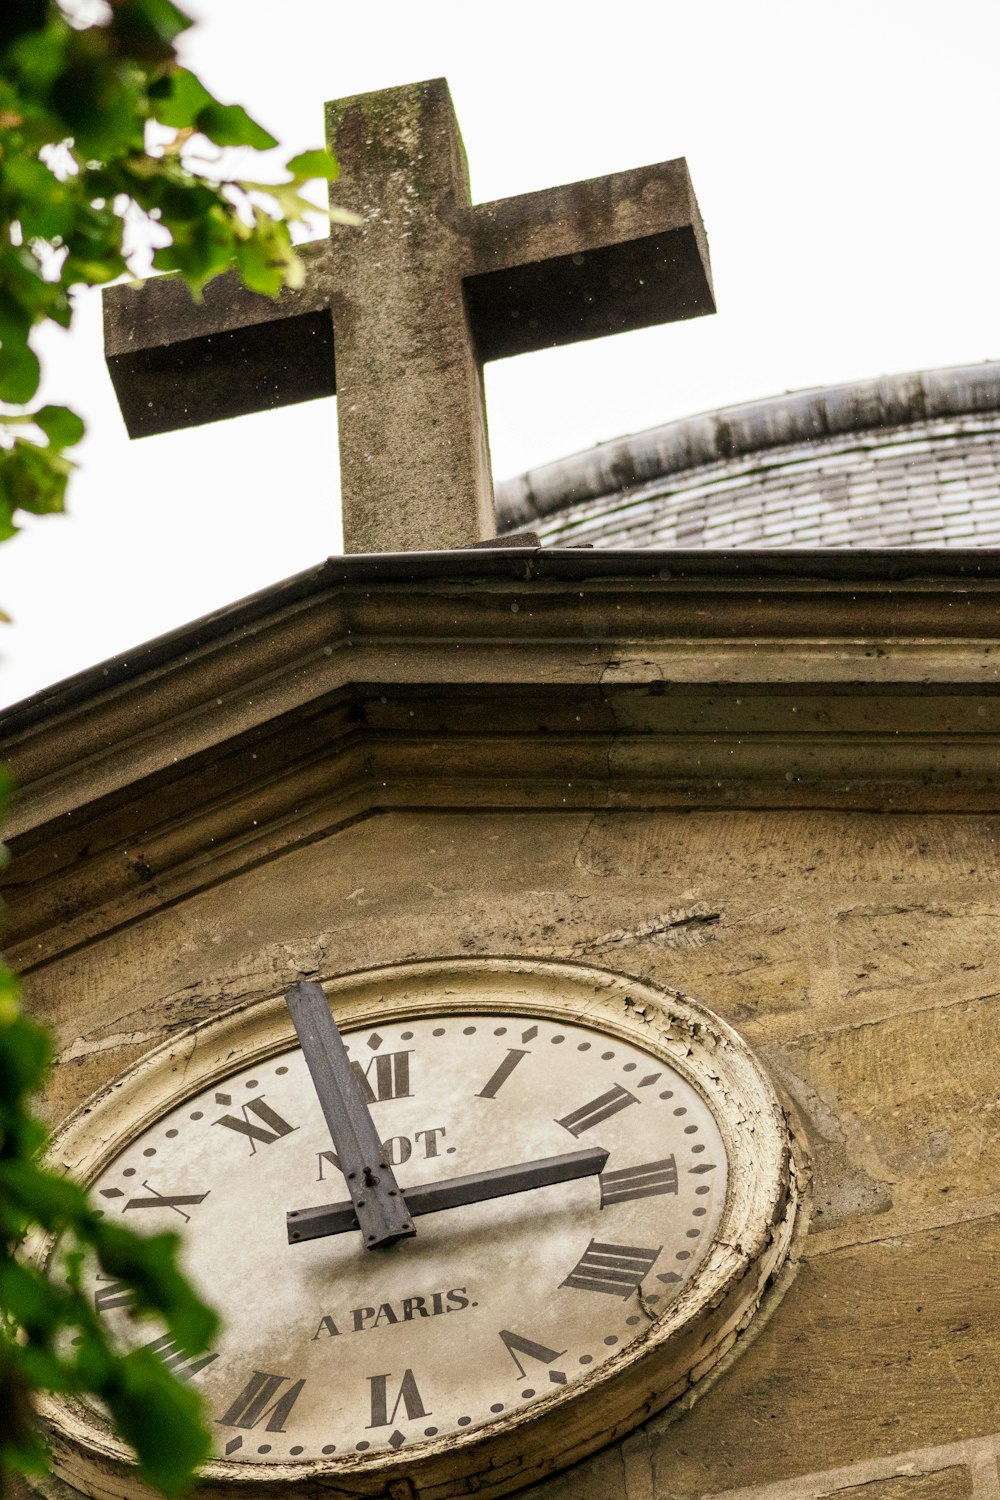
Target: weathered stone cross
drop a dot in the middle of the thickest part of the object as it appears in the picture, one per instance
(399, 316)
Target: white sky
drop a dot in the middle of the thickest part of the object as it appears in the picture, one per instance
(845, 160)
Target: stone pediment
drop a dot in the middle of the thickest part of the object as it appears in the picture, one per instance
(556, 681)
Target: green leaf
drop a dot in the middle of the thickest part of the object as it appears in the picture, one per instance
(7, 527)
(177, 99)
(41, 203)
(19, 372)
(258, 268)
(230, 125)
(310, 164)
(29, 1297)
(24, 1058)
(98, 98)
(36, 58)
(161, 1419)
(168, 20)
(20, 16)
(53, 1201)
(144, 30)
(34, 478)
(149, 1264)
(61, 426)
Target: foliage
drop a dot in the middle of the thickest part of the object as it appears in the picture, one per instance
(99, 130)
(102, 148)
(51, 1337)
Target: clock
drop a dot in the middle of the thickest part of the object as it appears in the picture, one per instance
(633, 1195)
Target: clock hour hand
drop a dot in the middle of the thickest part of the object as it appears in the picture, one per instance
(454, 1192)
(377, 1206)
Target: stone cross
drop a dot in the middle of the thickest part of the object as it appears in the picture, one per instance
(398, 317)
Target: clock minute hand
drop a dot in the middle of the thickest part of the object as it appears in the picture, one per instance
(453, 1192)
(377, 1206)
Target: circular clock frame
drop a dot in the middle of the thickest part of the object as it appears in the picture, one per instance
(695, 1331)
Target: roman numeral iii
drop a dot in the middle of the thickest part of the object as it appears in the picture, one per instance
(617, 1270)
(639, 1182)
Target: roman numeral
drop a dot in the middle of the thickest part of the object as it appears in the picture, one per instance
(176, 1361)
(255, 1402)
(601, 1108)
(113, 1294)
(327, 1156)
(273, 1128)
(639, 1182)
(506, 1068)
(166, 1200)
(617, 1270)
(515, 1345)
(392, 1077)
(409, 1395)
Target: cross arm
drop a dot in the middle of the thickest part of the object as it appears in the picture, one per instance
(177, 363)
(604, 256)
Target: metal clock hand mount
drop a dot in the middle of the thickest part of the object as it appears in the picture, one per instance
(454, 1192)
(378, 1207)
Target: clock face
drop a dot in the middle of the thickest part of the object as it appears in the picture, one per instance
(328, 1349)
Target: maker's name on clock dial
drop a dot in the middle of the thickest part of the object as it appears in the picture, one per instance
(328, 1349)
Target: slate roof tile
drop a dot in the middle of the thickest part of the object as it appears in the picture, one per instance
(930, 478)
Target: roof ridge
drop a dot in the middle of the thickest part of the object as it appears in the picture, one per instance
(889, 401)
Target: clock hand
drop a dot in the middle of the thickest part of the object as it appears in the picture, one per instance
(453, 1192)
(377, 1206)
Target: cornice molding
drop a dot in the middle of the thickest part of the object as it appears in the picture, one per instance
(289, 716)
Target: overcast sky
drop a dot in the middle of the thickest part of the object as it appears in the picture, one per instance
(845, 160)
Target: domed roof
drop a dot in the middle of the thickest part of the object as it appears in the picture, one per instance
(902, 461)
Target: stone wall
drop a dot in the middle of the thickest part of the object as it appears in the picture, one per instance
(768, 782)
(858, 955)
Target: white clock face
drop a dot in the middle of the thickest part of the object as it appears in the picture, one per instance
(331, 1349)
